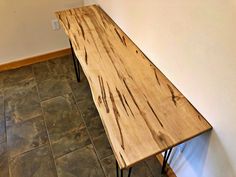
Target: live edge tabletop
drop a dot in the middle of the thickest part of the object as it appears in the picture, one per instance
(141, 110)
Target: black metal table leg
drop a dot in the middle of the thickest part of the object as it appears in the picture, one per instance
(76, 63)
(121, 171)
(130, 169)
(165, 160)
(117, 170)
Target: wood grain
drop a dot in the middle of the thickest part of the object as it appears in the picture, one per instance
(35, 59)
(141, 110)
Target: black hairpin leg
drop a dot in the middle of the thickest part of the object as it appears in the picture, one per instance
(76, 63)
(165, 160)
(121, 171)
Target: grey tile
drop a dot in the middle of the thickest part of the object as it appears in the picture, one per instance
(95, 127)
(88, 110)
(3, 148)
(4, 167)
(26, 136)
(80, 163)
(1, 107)
(65, 125)
(42, 71)
(38, 162)
(21, 103)
(138, 170)
(2, 120)
(73, 140)
(63, 67)
(81, 90)
(102, 146)
(53, 87)
(2, 74)
(154, 166)
(13, 77)
(2, 131)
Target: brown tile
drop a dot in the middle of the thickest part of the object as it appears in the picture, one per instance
(26, 136)
(102, 146)
(88, 110)
(4, 168)
(1, 106)
(13, 77)
(63, 67)
(2, 119)
(95, 127)
(42, 71)
(82, 162)
(21, 102)
(81, 90)
(154, 166)
(53, 87)
(2, 131)
(73, 140)
(64, 124)
(139, 170)
(38, 162)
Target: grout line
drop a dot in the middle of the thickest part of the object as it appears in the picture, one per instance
(90, 137)
(49, 141)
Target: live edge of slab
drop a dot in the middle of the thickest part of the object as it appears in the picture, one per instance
(141, 110)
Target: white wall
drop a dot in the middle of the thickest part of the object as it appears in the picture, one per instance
(26, 28)
(194, 44)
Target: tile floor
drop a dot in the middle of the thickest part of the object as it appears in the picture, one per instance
(49, 126)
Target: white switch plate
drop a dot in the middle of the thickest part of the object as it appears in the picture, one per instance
(55, 25)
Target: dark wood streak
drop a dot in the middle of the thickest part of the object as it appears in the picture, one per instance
(117, 56)
(124, 42)
(82, 30)
(132, 96)
(103, 93)
(76, 43)
(67, 22)
(128, 105)
(154, 134)
(156, 76)
(117, 115)
(86, 56)
(122, 101)
(122, 158)
(173, 97)
(118, 34)
(155, 114)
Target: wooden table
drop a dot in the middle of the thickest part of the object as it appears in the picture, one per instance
(142, 112)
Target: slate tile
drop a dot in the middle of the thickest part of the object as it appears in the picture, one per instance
(82, 162)
(95, 127)
(25, 136)
(53, 87)
(13, 77)
(42, 71)
(63, 67)
(4, 167)
(88, 110)
(65, 126)
(138, 170)
(154, 166)
(2, 131)
(102, 146)
(81, 90)
(73, 140)
(38, 163)
(21, 102)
